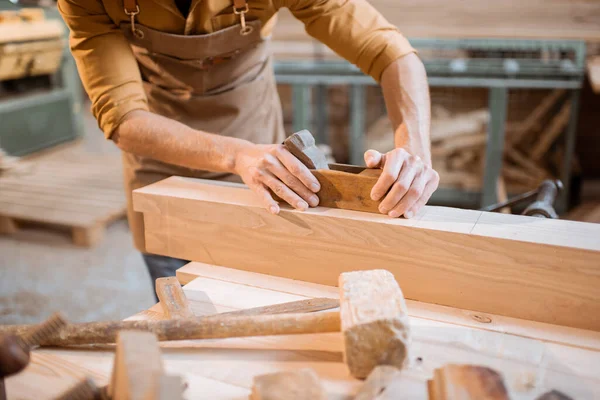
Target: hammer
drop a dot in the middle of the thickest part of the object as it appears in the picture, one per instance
(372, 318)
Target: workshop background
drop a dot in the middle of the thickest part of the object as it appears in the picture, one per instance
(515, 101)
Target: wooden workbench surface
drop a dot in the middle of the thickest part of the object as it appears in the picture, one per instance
(533, 357)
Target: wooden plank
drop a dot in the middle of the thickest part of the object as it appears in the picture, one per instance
(486, 257)
(225, 369)
(214, 276)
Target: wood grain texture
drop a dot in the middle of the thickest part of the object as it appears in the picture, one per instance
(467, 382)
(459, 258)
(374, 321)
(534, 358)
(347, 187)
(254, 283)
(303, 384)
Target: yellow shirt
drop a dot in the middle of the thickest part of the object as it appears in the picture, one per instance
(109, 71)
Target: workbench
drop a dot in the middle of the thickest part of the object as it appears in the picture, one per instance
(532, 357)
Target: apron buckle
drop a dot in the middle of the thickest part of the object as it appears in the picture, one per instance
(246, 29)
(138, 33)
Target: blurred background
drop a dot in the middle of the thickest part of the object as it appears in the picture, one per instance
(515, 89)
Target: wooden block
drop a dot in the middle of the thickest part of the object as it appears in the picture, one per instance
(302, 384)
(137, 366)
(374, 321)
(8, 226)
(88, 236)
(172, 299)
(460, 258)
(467, 382)
(378, 385)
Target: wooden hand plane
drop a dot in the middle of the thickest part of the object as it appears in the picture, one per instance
(342, 186)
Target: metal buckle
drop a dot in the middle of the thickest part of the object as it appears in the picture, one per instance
(138, 33)
(246, 29)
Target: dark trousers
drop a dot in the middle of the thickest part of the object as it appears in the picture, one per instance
(161, 266)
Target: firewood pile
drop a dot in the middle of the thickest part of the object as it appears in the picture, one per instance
(532, 150)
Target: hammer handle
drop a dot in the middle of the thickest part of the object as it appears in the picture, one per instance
(200, 328)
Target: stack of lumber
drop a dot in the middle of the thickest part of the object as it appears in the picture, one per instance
(532, 148)
(532, 357)
(80, 193)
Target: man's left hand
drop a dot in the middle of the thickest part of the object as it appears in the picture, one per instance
(409, 180)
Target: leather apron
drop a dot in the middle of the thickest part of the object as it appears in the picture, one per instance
(221, 82)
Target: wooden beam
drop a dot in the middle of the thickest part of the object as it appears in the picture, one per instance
(524, 267)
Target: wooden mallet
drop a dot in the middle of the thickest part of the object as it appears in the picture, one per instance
(372, 318)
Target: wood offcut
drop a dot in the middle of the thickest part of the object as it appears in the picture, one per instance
(466, 382)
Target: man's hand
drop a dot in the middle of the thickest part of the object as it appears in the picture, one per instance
(264, 167)
(410, 182)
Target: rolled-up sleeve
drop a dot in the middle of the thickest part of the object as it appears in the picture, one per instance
(105, 62)
(354, 29)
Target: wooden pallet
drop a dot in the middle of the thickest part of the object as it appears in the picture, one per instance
(80, 193)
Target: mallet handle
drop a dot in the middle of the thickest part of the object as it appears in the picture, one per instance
(200, 328)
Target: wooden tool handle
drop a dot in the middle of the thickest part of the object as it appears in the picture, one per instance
(291, 307)
(200, 328)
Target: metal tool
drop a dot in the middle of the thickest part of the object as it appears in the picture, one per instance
(543, 206)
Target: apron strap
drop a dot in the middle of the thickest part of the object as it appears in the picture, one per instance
(131, 7)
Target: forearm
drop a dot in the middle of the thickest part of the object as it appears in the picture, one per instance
(406, 94)
(150, 135)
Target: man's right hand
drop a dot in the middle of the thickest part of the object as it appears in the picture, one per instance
(264, 167)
